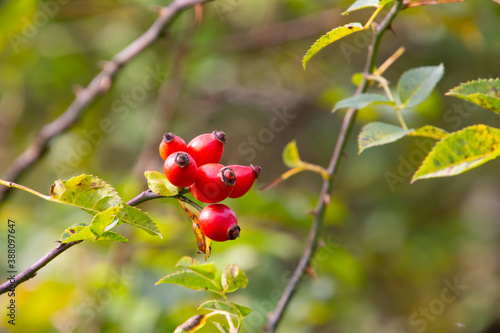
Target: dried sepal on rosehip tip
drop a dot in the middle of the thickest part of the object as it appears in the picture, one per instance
(219, 223)
(228, 176)
(219, 136)
(170, 144)
(257, 169)
(246, 176)
(180, 169)
(233, 232)
(207, 148)
(214, 183)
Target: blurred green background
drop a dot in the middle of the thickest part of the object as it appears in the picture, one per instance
(391, 250)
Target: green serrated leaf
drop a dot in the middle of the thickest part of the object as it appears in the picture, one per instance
(221, 328)
(362, 100)
(158, 183)
(191, 280)
(377, 133)
(483, 92)
(86, 192)
(291, 156)
(113, 236)
(94, 195)
(244, 311)
(70, 234)
(215, 305)
(460, 151)
(360, 4)
(329, 38)
(103, 219)
(206, 270)
(136, 217)
(192, 324)
(415, 85)
(233, 279)
(72, 230)
(429, 132)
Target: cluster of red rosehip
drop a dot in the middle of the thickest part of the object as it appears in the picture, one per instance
(196, 165)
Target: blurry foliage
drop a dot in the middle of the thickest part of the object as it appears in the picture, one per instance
(385, 255)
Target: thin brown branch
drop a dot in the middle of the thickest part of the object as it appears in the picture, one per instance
(100, 84)
(410, 3)
(347, 124)
(33, 269)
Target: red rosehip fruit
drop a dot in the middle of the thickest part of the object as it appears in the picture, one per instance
(171, 144)
(214, 183)
(246, 176)
(207, 148)
(180, 169)
(219, 223)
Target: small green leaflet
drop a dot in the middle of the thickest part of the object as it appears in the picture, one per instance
(233, 279)
(329, 38)
(191, 280)
(483, 92)
(461, 151)
(291, 156)
(158, 183)
(81, 232)
(221, 328)
(215, 305)
(362, 100)
(415, 85)
(231, 307)
(360, 4)
(94, 196)
(377, 133)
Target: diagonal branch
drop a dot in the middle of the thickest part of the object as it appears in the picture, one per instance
(100, 84)
(324, 197)
(33, 269)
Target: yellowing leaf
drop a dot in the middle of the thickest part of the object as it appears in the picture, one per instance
(329, 38)
(94, 196)
(461, 151)
(291, 156)
(192, 324)
(429, 132)
(158, 183)
(483, 92)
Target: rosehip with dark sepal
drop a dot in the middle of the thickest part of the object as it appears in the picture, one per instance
(207, 148)
(219, 223)
(171, 144)
(246, 176)
(181, 169)
(214, 183)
